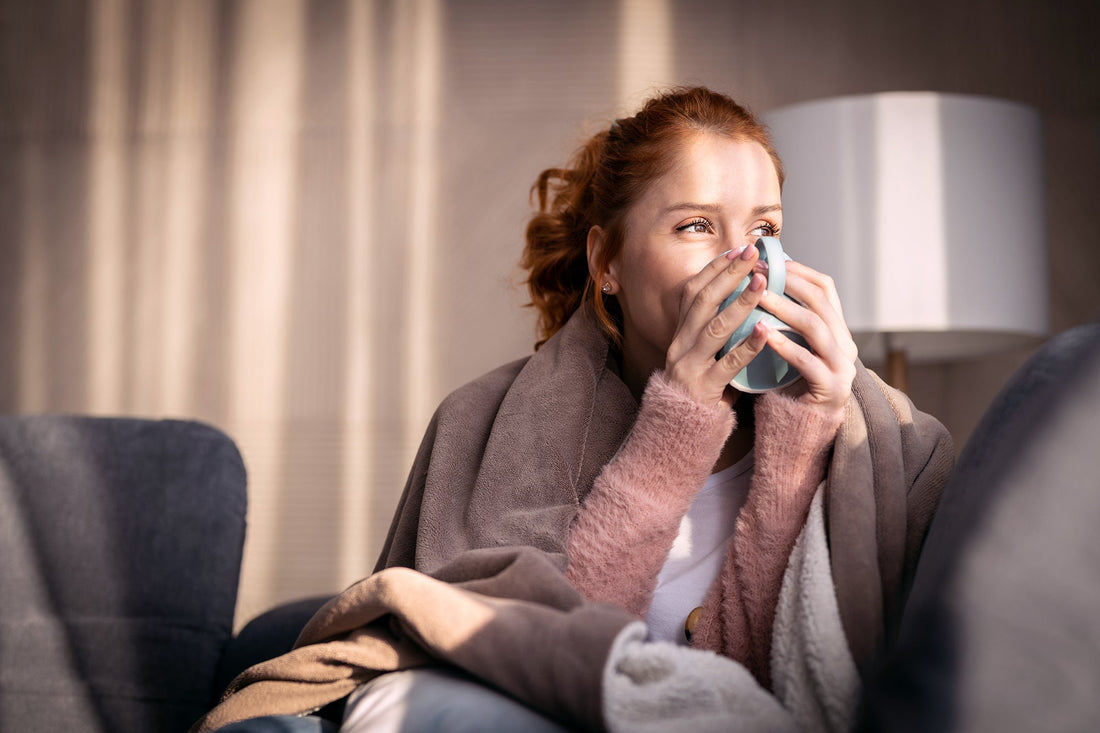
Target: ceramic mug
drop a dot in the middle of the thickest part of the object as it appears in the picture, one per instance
(768, 370)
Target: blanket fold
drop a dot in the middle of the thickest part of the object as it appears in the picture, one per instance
(524, 630)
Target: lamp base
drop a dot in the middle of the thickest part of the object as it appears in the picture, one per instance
(897, 369)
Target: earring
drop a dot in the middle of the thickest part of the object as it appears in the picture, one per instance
(606, 288)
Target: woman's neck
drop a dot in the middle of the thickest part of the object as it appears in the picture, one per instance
(637, 364)
(741, 440)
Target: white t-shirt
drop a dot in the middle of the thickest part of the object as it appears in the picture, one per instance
(699, 551)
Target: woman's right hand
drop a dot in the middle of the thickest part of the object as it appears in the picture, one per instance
(703, 330)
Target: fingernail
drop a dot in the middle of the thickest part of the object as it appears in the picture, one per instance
(761, 265)
(746, 253)
(732, 254)
(761, 329)
(757, 282)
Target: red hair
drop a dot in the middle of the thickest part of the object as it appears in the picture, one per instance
(600, 184)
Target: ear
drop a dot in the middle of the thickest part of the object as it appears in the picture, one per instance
(597, 239)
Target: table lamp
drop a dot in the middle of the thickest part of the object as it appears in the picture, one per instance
(927, 210)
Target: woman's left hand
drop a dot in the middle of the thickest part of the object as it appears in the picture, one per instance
(827, 370)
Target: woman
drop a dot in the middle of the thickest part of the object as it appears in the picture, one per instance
(669, 258)
(620, 451)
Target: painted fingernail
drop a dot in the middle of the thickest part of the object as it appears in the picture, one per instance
(746, 253)
(733, 254)
(757, 282)
(761, 265)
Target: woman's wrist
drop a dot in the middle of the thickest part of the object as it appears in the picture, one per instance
(793, 438)
(677, 440)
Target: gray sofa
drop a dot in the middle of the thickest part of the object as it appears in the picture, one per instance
(120, 552)
(1002, 627)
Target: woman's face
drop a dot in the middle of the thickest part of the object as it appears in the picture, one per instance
(720, 194)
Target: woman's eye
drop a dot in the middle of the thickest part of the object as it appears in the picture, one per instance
(696, 226)
(766, 229)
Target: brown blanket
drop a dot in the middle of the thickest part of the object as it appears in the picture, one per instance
(505, 464)
(519, 625)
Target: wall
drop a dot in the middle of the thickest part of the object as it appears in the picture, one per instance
(298, 220)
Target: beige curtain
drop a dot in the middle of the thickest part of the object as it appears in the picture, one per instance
(285, 218)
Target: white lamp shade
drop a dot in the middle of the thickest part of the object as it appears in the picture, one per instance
(927, 210)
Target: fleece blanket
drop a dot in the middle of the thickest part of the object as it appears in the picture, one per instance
(502, 470)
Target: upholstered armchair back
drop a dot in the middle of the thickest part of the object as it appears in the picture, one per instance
(120, 552)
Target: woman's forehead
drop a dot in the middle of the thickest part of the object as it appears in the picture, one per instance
(715, 170)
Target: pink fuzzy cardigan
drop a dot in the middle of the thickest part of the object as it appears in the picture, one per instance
(623, 532)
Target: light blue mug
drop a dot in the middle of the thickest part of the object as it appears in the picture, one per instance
(768, 370)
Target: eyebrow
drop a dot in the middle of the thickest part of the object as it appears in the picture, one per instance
(688, 205)
(761, 210)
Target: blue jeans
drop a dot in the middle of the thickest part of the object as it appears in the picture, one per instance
(281, 724)
(438, 699)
